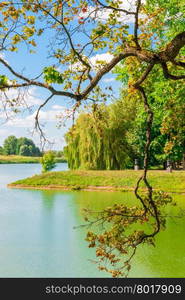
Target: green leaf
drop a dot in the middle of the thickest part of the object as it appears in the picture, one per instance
(51, 75)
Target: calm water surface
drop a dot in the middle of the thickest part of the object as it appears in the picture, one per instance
(37, 238)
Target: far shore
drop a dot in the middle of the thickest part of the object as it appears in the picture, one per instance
(17, 159)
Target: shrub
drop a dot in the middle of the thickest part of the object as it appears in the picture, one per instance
(48, 161)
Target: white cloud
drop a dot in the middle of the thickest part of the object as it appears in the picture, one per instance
(48, 116)
(111, 79)
(29, 121)
(3, 135)
(58, 107)
(93, 61)
(19, 123)
(103, 14)
(44, 117)
(5, 115)
(23, 97)
(105, 57)
(32, 97)
(57, 143)
(2, 55)
(3, 132)
(23, 124)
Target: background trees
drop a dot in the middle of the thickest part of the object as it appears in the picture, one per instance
(27, 146)
(20, 146)
(10, 145)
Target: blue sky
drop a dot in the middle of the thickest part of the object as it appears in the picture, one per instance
(22, 124)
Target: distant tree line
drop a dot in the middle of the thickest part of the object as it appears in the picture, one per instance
(19, 146)
(26, 147)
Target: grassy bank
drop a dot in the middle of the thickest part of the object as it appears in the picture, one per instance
(17, 159)
(105, 180)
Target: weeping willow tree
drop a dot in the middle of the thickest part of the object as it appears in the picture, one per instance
(98, 139)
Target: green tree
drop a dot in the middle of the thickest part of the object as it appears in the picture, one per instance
(48, 161)
(24, 150)
(20, 146)
(32, 150)
(173, 127)
(168, 128)
(1, 150)
(98, 139)
(59, 153)
(36, 151)
(10, 145)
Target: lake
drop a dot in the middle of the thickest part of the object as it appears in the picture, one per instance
(38, 239)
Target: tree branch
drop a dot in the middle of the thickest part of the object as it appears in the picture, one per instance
(167, 75)
(136, 25)
(173, 48)
(69, 38)
(179, 63)
(145, 75)
(30, 82)
(103, 71)
(37, 124)
(152, 206)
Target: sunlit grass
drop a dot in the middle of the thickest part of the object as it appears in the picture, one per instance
(121, 180)
(17, 159)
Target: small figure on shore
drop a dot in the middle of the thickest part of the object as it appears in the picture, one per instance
(136, 164)
(168, 166)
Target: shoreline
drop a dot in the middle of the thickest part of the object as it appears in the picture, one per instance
(24, 162)
(18, 159)
(88, 188)
(18, 163)
(72, 188)
(123, 180)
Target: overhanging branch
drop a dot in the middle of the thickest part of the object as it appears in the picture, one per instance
(167, 75)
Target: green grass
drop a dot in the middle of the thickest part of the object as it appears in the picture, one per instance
(17, 159)
(121, 180)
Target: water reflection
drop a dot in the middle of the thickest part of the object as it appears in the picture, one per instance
(37, 238)
(48, 199)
